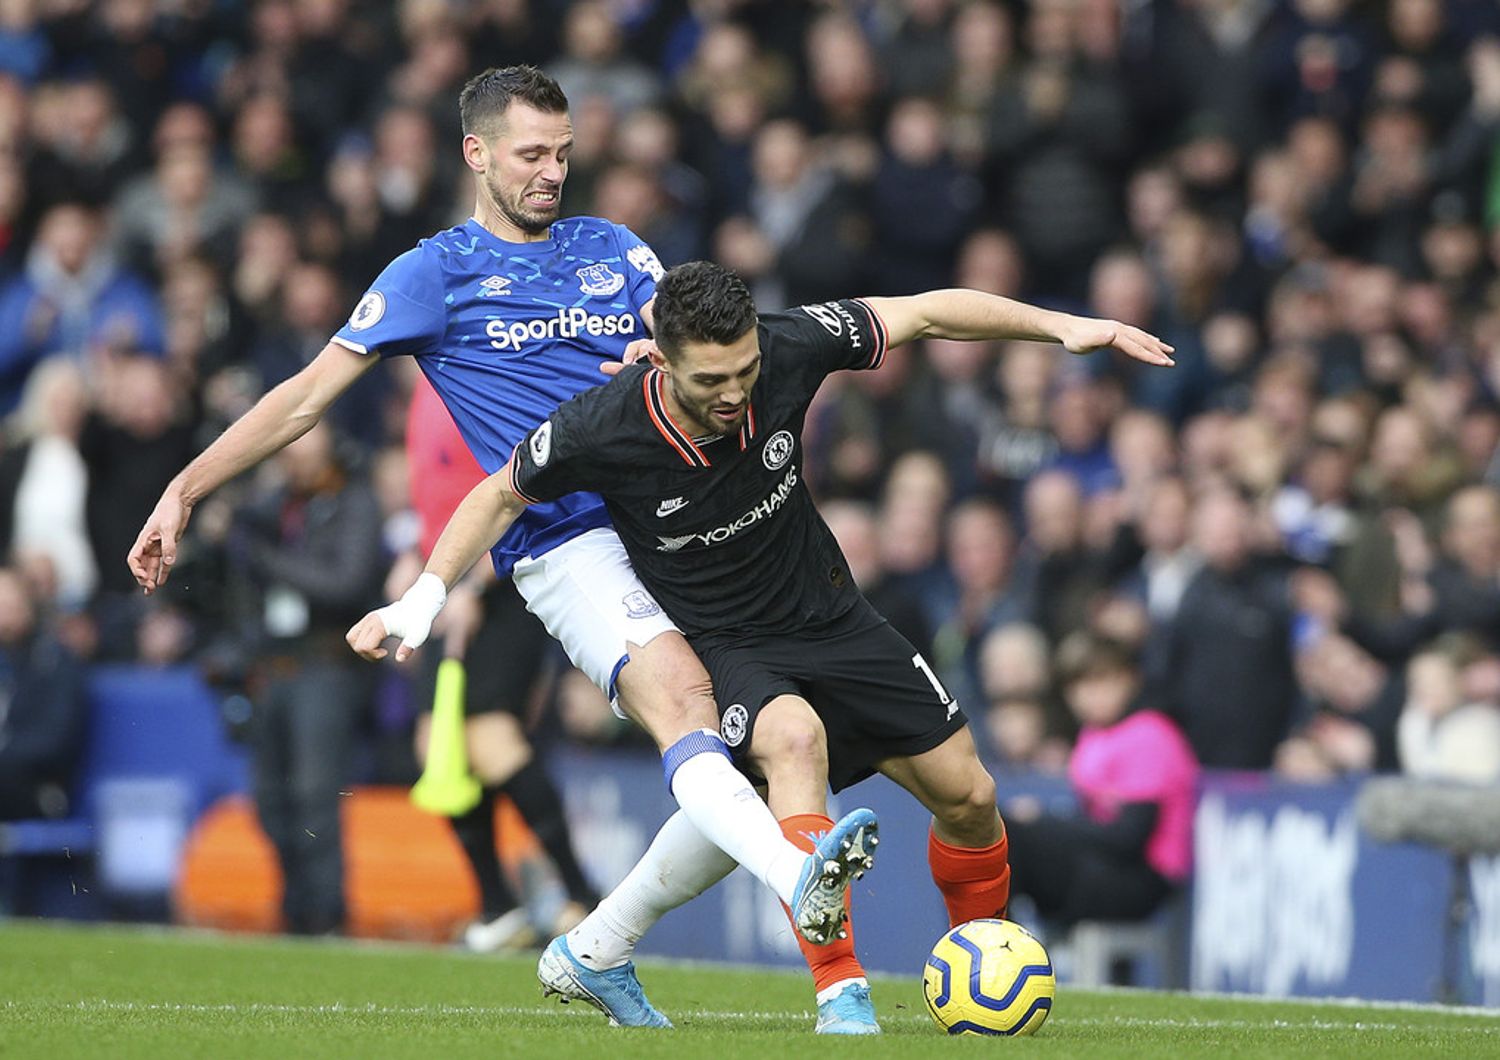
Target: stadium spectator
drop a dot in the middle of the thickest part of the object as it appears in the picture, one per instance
(1225, 674)
(806, 217)
(1056, 571)
(1017, 438)
(72, 298)
(266, 151)
(983, 50)
(915, 52)
(1136, 780)
(185, 207)
(52, 492)
(310, 552)
(649, 138)
(416, 189)
(981, 592)
(914, 249)
(1168, 563)
(134, 439)
(857, 532)
(313, 306)
(1021, 720)
(1354, 701)
(1058, 133)
(43, 716)
(83, 144)
(1450, 725)
(595, 61)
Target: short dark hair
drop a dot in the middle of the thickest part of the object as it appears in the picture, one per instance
(486, 97)
(1083, 655)
(701, 302)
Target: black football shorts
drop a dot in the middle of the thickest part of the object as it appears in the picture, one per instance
(877, 697)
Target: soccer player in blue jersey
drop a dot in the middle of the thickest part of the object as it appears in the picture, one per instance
(508, 315)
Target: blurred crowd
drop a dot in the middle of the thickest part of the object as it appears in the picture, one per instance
(1295, 533)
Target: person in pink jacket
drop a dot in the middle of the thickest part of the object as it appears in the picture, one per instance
(1135, 778)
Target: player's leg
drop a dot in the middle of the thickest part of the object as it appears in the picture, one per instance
(787, 742)
(666, 689)
(325, 700)
(593, 961)
(886, 710)
(966, 849)
(271, 766)
(493, 758)
(508, 662)
(590, 600)
(611, 628)
(789, 747)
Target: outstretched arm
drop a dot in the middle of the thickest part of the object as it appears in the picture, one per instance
(283, 415)
(481, 520)
(974, 315)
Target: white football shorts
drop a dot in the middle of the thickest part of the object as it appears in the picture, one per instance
(587, 595)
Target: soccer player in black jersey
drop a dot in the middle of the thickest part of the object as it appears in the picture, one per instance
(698, 456)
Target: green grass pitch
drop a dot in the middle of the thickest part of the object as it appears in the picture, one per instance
(69, 991)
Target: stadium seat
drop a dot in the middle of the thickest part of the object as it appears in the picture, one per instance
(157, 756)
(1098, 946)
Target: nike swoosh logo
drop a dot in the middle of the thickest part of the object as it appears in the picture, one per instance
(666, 508)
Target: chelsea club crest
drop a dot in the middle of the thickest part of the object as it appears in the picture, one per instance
(734, 723)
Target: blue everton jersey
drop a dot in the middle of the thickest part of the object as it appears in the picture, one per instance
(506, 332)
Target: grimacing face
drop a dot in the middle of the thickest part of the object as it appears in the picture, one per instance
(711, 384)
(528, 163)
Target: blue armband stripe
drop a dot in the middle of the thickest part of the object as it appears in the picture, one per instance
(691, 745)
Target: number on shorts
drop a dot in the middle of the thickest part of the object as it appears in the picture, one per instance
(937, 686)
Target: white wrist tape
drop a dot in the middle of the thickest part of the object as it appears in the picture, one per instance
(410, 617)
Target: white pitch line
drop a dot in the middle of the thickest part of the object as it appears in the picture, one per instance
(1307, 1002)
(559, 1011)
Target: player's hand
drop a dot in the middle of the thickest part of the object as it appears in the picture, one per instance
(155, 548)
(367, 637)
(638, 350)
(409, 618)
(1086, 334)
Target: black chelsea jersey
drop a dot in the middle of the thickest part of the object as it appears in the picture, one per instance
(723, 533)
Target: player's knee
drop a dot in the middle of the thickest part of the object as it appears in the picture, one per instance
(666, 690)
(971, 809)
(788, 734)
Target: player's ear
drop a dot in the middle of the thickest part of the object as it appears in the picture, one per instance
(476, 153)
(658, 358)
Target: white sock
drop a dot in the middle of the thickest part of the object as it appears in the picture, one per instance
(723, 806)
(679, 865)
(833, 990)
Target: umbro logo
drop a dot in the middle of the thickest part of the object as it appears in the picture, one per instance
(666, 508)
(493, 285)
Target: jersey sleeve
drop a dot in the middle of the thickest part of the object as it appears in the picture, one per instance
(555, 458)
(830, 336)
(644, 270)
(403, 312)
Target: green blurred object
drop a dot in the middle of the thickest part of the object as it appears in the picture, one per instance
(445, 786)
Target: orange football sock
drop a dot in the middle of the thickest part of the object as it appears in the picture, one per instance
(834, 962)
(975, 882)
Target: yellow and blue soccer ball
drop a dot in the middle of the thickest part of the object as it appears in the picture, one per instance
(989, 977)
